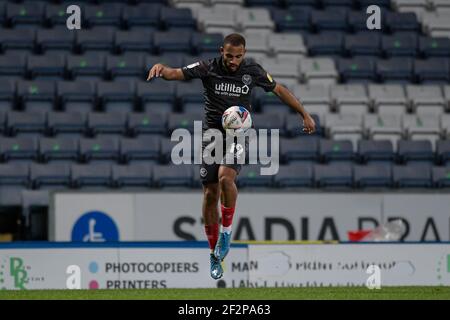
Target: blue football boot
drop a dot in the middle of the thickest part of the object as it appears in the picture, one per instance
(216, 267)
(223, 245)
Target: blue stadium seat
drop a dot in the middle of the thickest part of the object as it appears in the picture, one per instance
(96, 39)
(14, 174)
(101, 148)
(17, 39)
(190, 96)
(294, 126)
(64, 149)
(336, 150)
(177, 18)
(132, 175)
(373, 176)
(26, 122)
(126, 66)
(325, 43)
(434, 47)
(376, 151)
(13, 64)
(357, 21)
(118, 96)
(144, 148)
(50, 174)
(173, 41)
(89, 65)
(55, 14)
(432, 71)
(295, 175)
(173, 59)
(3, 127)
(329, 20)
(157, 96)
(37, 95)
(250, 176)
(50, 66)
(183, 121)
(18, 148)
(395, 70)
(293, 19)
(443, 151)
(25, 14)
(269, 4)
(92, 174)
(412, 176)
(106, 14)
(268, 102)
(76, 96)
(2, 13)
(339, 175)
(415, 151)
(337, 3)
(7, 94)
(399, 44)
(363, 44)
(67, 123)
(147, 123)
(134, 40)
(106, 123)
(302, 3)
(299, 149)
(57, 39)
(441, 177)
(143, 16)
(402, 21)
(363, 4)
(357, 69)
(269, 121)
(206, 42)
(172, 176)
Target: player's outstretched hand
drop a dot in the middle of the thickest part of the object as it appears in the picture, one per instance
(309, 125)
(155, 71)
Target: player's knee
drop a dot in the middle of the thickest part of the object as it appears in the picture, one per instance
(226, 181)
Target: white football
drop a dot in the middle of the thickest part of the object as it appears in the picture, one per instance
(237, 118)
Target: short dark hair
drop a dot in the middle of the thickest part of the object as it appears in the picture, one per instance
(234, 39)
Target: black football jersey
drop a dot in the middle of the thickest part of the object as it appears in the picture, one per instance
(224, 89)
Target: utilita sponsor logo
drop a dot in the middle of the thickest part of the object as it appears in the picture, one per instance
(231, 88)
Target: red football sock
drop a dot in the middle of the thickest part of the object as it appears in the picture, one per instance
(227, 217)
(212, 232)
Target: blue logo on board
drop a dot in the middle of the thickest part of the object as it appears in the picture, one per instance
(95, 226)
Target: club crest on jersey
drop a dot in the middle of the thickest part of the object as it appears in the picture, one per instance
(247, 79)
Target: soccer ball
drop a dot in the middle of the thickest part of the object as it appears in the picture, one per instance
(236, 118)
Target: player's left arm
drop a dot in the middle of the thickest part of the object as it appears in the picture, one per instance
(288, 98)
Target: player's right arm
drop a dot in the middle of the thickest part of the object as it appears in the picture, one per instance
(165, 72)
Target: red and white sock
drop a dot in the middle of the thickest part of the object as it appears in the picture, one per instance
(227, 218)
(212, 233)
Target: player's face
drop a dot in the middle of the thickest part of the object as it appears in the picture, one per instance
(232, 56)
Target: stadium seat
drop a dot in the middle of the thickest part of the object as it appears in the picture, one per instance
(286, 44)
(269, 121)
(363, 44)
(17, 39)
(426, 99)
(39, 95)
(372, 176)
(381, 3)
(294, 127)
(180, 18)
(357, 21)
(157, 96)
(18, 148)
(128, 66)
(96, 39)
(295, 175)
(204, 42)
(250, 176)
(432, 71)
(59, 149)
(172, 41)
(8, 97)
(117, 96)
(384, 127)
(132, 175)
(76, 96)
(50, 174)
(49, 66)
(147, 123)
(441, 177)
(102, 148)
(57, 39)
(293, 19)
(388, 99)
(325, 43)
(395, 70)
(299, 149)
(318, 71)
(190, 96)
(395, 45)
(422, 127)
(329, 20)
(415, 151)
(56, 16)
(344, 126)
(172, 176)
(302, 3)
(357, 70)
(371, 151)
(412, 176)
(143, 16)
(27, 14)
(92, 174)
(14, 174)
(90, 65)
(254, 19)
(100, 123)
(268, 102)
(402, 21)
(183, 121)
(66, 123)
(350, 98)
(26, 122)
(336, 150)
(13, 65)
(314, 97)
(100, 15)
(443, 151)
(143, 148)
(434, 47)
(336, 175)
(134, 41)
(416, 6)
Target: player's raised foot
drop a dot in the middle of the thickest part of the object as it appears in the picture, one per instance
(223, 245)
(216, 267)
